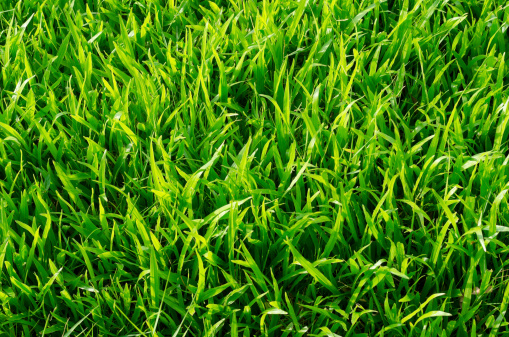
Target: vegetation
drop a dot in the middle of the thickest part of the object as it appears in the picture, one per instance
(243, 168)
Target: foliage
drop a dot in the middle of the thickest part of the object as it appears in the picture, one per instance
(244, 168)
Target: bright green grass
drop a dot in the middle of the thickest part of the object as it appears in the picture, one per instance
(243, 168)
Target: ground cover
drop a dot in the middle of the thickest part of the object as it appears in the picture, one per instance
(254, 168)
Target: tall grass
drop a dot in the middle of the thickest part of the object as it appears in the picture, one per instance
(244, 168)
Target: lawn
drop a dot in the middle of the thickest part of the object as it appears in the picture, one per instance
(254, 168)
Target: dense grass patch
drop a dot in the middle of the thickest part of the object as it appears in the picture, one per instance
(244, 168)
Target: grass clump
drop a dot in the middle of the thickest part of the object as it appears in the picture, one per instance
(243, 168)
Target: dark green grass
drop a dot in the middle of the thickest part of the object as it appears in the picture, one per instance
(243, 168)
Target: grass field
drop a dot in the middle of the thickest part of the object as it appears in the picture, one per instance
(254, 168)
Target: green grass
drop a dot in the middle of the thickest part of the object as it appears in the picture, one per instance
(243, 168)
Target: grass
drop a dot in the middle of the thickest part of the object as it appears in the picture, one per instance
(242, 168)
